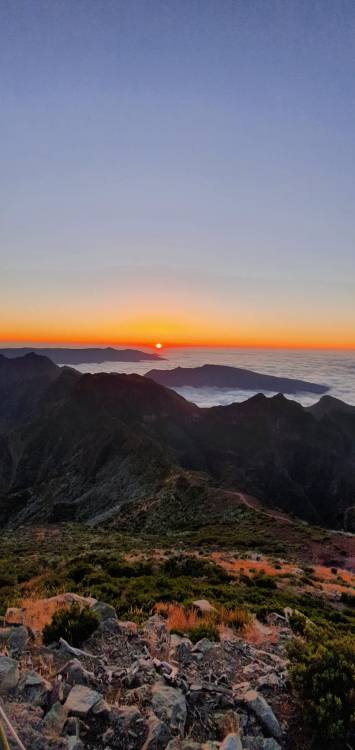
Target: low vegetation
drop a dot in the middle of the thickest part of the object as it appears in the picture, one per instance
(74, 624)
(323, 677)
(142, 575)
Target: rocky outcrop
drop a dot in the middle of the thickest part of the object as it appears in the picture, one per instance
(145, 689)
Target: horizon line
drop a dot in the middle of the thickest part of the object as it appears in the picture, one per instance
(14, 343)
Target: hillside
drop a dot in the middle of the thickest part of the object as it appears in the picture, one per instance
(87, 447)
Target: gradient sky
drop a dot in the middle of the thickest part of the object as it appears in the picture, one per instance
(182, 171)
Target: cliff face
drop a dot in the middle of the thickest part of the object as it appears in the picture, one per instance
(83, 446)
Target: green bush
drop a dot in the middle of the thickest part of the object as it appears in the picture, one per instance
(75, 625)
(323, 676)
(265, 582)
(207, 630)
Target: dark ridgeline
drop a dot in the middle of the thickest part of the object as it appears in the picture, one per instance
(223, 376)
(87, 447)
(93, 355)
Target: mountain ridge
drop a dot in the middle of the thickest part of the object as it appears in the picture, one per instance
(82, 446)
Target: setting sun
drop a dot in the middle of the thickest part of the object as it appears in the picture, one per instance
(158, 346)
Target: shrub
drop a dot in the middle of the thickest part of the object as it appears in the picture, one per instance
(75, 625)
(265, 582)
(348, 599)
(204, 630)
(323, 676)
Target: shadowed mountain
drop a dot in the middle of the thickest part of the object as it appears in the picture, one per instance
(90, 447)
(23, 382)
(69, 356)
(222, 376)
(328, 405)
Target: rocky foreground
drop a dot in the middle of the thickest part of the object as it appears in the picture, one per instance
(133, 688)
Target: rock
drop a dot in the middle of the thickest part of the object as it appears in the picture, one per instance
(104, 611)
(81, 701)
(269, 680)
(259, 743)
(169, 705)
(253, 743)
(5, 635)
(231, 742)
(72, 726)
(257, 703)
(142, 671)
(9, 674)
(156, 634)
(130, 728)
(202, 646)
(76, 674)
(18, 640)
(34, 688)
(14, 616)
(126, 627)
(74, 743)
(158, 734)
(227, 723)
(203, 606)
(180, 648)
(102, 709)
(177, 744)
(56, 718)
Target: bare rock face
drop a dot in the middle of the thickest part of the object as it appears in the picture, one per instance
(34, 688)
(56, 718)
(231, 742)
(257, 703)
(169, 705)
(9, 674)
(130, 728)
(18, 640)
(81, 701)
(76, 674)
(159, 734)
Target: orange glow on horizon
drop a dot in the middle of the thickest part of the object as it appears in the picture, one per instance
(29, 338)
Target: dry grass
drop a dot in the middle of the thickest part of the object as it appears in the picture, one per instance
(183, 619)
(39, 612)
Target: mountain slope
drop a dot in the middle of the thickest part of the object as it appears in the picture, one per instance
(87, 446)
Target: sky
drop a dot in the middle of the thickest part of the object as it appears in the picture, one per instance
(181, 171)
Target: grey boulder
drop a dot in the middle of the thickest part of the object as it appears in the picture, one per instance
(9, 674)
(81, 701)
(169, 705)
(259, 706)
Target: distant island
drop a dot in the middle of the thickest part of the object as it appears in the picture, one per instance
(222, 376)
(68, 356)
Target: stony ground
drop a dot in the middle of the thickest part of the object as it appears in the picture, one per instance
(133, 688)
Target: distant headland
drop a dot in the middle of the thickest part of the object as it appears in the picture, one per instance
(94, 355)
(223, 376)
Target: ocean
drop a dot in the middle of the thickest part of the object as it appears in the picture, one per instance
(336, 369)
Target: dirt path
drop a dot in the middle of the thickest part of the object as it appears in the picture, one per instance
(254, 504)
